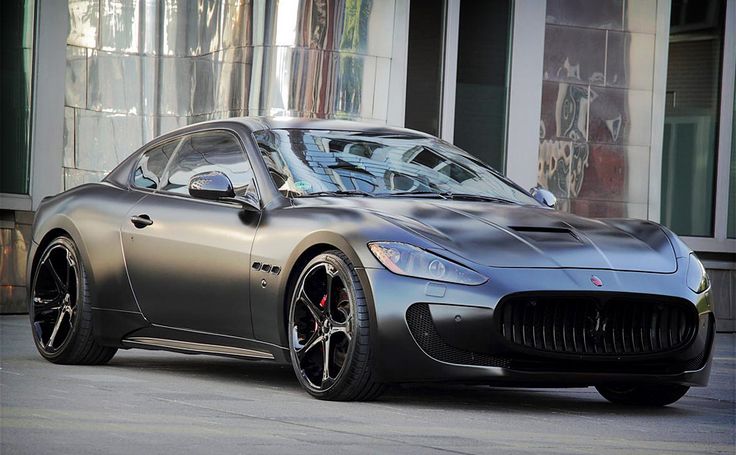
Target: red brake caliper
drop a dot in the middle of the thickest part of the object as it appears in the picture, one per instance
(322, 304)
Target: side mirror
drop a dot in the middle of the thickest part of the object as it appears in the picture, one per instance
(216, 186)
(213, 185)
(544, 197)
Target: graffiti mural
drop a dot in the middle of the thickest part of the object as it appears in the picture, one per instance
(595, 124)
(563, 160)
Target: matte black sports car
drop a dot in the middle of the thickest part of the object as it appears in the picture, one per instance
(362, 255)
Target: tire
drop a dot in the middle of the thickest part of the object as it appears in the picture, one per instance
(60, 309)
(643, 395)
(328, 313)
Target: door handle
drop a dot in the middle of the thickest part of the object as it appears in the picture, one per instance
(141, 221)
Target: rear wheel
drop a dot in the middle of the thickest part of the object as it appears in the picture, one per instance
(329, 331)
(61, 317)
(643, 395)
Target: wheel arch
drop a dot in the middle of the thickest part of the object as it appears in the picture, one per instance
(61, 226)
(306, 250)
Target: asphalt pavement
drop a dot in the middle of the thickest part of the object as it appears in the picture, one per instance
(164, 403)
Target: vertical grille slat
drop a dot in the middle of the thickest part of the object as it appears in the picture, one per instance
(518, 328)
(642, 329)
(622, 324)
(583, 330)
(632, 330)
(547, 339)
(681, 326)
(565, 317)
(536, 328)
(663, 339)
(653, 331)
(673, 327)
(524, 337)
(597, 325)
(614, 323)
(575, 346)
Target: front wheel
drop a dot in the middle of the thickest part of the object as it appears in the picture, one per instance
(643, 395)
(329, 331)
(61, 316)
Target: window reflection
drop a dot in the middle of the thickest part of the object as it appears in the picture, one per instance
(691, 116)
(310, 161)
(152, 165)
(204, 152)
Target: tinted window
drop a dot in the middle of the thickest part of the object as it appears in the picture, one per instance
(152, 164)
(204, 152)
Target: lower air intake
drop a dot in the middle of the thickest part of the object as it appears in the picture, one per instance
(419, 319)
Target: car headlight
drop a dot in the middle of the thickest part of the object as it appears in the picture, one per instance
(408, 260)
(697, 277)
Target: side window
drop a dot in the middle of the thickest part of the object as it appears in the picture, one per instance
(277, 169)
(209, 151)
(152, 164)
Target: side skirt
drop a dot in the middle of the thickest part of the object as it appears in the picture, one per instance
(189, 347)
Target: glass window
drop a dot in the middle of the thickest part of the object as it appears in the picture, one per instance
(204, 152)
(481, 85)
(16, 24)
(152, 164)
(424, 66)
(482, 72)
(691, 116)
(304, 162)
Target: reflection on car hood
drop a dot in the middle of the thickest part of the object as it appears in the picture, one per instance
(504, 235)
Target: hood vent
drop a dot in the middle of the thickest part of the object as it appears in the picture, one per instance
(547, 234)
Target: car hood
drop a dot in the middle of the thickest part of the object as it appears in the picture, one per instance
(504, 235)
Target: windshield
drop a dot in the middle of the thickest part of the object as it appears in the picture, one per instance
(316, 162)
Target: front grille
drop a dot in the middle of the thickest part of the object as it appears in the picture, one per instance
(596, 326)
(419, 319)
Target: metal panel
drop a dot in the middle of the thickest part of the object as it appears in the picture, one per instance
(69, 160)
(84, 16)
(117, 82)
(106, 139)
(76, 77)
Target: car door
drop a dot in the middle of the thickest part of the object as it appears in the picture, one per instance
(188, 259)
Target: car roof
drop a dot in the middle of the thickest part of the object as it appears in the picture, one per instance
(120, 174)
(274, 123)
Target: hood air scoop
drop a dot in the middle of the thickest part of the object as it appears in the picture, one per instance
(536, 234)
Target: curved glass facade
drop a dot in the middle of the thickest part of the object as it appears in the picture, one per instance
(137, 68)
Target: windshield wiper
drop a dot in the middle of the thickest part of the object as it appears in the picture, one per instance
(451, 195)
(337, 193)
(419, 193)
(477, 197)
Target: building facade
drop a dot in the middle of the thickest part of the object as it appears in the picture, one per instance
(623, 108)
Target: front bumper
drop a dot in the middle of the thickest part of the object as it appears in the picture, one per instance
(400, 358)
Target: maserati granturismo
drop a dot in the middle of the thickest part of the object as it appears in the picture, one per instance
(362, 255)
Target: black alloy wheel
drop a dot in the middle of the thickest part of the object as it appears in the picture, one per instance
(59, 309)
(329, 331)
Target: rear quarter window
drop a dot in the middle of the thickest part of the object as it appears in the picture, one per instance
(151, 165)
